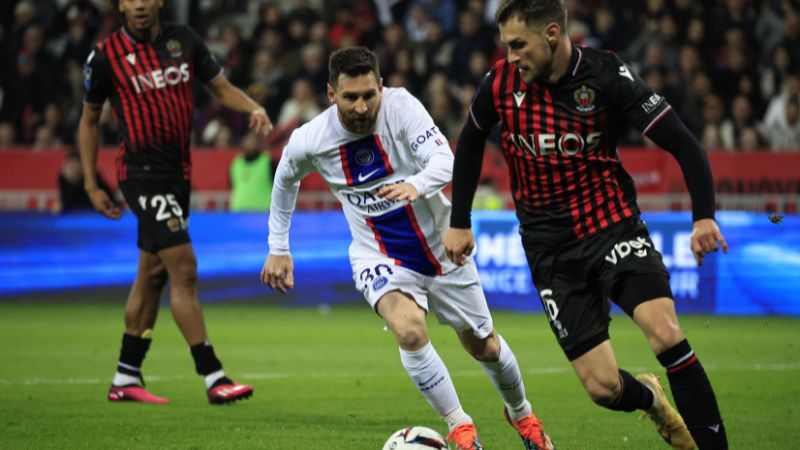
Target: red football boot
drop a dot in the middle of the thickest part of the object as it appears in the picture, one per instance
(229, 393)
(134, 393)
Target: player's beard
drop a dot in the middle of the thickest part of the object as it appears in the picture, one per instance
(546, 69)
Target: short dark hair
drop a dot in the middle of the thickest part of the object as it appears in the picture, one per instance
(352, 62)
(533, 12)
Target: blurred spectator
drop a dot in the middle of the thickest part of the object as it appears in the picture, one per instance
(45, 139)
(776, 110)
(8, 137)
(417, 24)
(314, 68)
(73, 197)
(741, 118)
(251, 175)
(685, 49)
(785, 135)
(472, 37)
(773, 76)
(28, 89)
(442, 11)
(267, 83)
(751, 139)
(302, 105)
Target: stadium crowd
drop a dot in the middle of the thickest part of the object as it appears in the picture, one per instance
(729, 67)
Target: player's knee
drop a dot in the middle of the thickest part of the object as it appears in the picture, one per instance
(157, 277)
(603, 391)
(486, 350)
(410, 336)
(665, 335)
(185, 276)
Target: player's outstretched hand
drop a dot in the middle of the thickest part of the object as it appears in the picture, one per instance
(278, 272)
(103, 204)
(706, 238)
(399, 191)
(458, 244)
(260, 123)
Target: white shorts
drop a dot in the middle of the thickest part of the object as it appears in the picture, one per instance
(456, 298)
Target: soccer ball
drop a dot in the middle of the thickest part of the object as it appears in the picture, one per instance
(415, 438)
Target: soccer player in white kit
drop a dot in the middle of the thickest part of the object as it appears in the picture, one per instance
(386, 162)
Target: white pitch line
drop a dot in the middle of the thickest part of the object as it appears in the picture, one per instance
(556, 370)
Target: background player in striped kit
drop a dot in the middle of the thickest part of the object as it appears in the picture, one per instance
(386, 162)
(561, 109)
(145, 69)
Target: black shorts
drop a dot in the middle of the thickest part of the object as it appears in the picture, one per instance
(161, 207)
(576, 280)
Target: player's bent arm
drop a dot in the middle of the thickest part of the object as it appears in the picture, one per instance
(672, 135)
(437, 173)
(234, 98)
(467, 172)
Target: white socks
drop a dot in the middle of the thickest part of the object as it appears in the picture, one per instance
(507, 381)
(430, 376)
(213, 377)
(123, 379)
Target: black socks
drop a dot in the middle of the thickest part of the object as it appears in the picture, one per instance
(633, 394)
(694, 396)
(205, 361)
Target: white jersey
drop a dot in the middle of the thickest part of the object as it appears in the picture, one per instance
(404, 146)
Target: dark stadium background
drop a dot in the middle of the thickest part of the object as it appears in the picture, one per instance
(728, 67)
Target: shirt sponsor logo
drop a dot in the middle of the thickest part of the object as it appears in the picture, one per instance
(652, 103)
(423, 137)
(544, 144)
(161, 78)
(368, 201)
(622, 249)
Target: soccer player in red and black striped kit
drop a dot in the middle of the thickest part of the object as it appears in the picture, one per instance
(146, 69)
(561, 109)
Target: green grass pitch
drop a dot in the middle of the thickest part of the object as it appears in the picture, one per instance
(333, 380)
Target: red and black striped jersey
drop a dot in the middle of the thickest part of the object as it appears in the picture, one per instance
(149, 85)
(560, 140)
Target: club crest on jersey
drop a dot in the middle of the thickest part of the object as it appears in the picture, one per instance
(365, 157)
(585, 97)
(364, 160)
(174, 48)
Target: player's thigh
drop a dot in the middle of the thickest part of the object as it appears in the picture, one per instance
(458, 300)
(576, 309)
(151, 271)
(374, 277)
(401, 313)
(180, 262)
(161, 207)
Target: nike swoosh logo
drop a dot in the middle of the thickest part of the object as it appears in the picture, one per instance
(518, 97)
(362, 176)
(428, 380)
